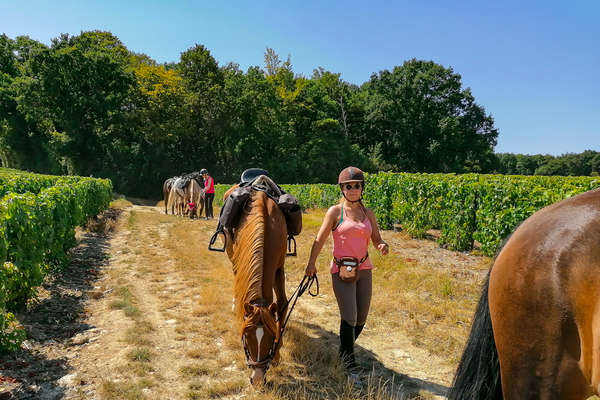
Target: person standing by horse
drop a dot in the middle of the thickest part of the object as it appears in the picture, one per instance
(209, 192)
(351, 225)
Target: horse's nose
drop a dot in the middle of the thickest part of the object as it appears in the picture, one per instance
(257, 378)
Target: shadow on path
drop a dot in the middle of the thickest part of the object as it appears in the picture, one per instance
(379, 380)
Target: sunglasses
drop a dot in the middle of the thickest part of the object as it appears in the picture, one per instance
(348, 186)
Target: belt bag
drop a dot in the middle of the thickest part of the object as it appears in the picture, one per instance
(348, 267)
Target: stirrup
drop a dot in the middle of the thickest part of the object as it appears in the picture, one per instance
(213, 239)
(291, 253)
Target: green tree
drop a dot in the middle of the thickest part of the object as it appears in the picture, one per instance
(24, 131)
(205, 117)
(84, 87)
(273, 63)
(426, 121)
(556, 166)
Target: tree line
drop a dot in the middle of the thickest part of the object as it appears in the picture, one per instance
(586, 163)
(89, 106)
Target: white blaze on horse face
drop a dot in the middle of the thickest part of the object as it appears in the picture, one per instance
(233, 304)
(259, 335)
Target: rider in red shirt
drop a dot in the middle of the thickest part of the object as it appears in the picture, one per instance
(209, 192)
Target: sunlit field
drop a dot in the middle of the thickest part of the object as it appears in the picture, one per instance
(193, 287)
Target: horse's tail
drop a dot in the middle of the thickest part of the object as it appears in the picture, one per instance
(478, 373)
(248, 253)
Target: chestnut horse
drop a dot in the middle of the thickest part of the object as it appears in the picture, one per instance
(257, 253)
(536, 331)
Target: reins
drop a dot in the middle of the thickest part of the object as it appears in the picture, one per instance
(304, 285)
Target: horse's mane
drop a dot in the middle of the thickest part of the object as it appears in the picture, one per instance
(248, 257)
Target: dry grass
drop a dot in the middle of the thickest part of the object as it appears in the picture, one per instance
(125, 303)
(195, 370)
(120, 203)
(123, 390)
(141, 354)
(106, 222)
(433, 305)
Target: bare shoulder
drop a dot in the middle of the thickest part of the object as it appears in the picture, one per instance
(333, 211)
(371, 216)
(330, 217)
(370, 213)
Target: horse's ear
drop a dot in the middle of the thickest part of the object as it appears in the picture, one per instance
(248, 309)
(273, 310)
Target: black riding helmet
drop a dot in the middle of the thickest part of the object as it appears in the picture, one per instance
(203, 171)
(252, 173)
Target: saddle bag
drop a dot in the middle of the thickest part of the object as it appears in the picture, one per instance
(233, 207)
(292, 212)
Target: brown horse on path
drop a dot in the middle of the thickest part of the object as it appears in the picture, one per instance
(536, 331)
(257, 253)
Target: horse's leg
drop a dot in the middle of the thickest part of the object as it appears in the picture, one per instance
(200, 205)
(181, 205)
(169, 202)
(547, 370)
(572, 382)
(536, 338)
(281, 299)
(279, 288)
(585, 291)
(166, 198)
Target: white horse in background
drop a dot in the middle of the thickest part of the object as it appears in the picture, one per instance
(193, 193)
(176, 198)
(180, 199)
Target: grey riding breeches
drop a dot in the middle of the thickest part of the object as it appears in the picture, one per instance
(354, 299)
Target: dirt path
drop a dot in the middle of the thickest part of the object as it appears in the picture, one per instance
(129, 319)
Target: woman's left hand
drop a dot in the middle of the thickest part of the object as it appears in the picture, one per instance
(383, 248)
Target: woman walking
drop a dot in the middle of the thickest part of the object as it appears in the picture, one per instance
(209, 192)
(351, 225)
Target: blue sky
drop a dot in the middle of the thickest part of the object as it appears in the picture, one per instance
(533, 65)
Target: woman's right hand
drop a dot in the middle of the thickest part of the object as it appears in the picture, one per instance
(311, 270)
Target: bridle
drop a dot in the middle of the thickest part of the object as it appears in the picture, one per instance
(265, 363)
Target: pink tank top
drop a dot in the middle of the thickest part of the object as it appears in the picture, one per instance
(351, 239)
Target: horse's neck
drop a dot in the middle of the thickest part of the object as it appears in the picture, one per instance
(248, 253)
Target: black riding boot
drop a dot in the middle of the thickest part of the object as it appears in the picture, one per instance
(347, 346)
(357, 330)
